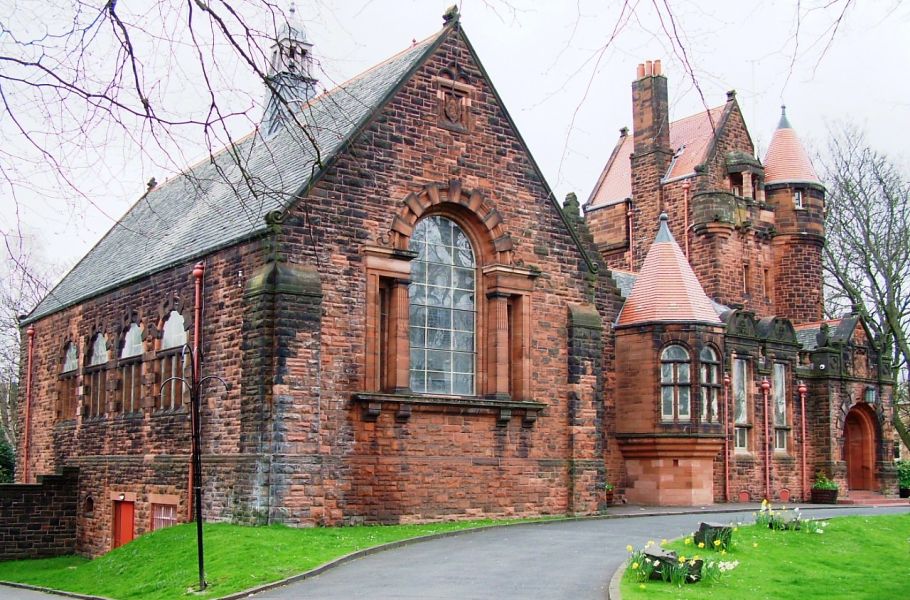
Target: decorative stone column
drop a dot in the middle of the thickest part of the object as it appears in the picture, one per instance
(498, 344)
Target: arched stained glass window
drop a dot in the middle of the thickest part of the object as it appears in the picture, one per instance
(174, 363)
(174, 334)
(674, 382)
(93, 405)
(132, 342)
(130, 370)
(442, 309)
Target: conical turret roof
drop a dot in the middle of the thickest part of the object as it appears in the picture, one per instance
(786, 160)
(666, 289)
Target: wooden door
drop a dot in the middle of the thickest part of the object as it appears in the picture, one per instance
(859, 455)
(123, 523)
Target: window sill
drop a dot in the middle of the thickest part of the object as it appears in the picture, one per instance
(372, 404)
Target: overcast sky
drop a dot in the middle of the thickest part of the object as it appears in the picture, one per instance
(567, 85)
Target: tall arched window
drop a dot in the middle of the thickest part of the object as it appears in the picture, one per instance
(173, 363)
(710, 384)
(442, 309)
(130, 369)
(66, 403)
(93, 405)
(674, 384)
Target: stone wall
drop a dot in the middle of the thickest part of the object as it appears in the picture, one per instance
(38, 520)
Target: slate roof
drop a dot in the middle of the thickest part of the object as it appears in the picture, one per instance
(787, 160)
(212, 205)
(666, 289)
(690, 139)
(839, 331)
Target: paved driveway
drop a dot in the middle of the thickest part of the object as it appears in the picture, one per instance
(545, 561)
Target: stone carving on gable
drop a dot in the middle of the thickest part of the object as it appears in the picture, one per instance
(453, 94)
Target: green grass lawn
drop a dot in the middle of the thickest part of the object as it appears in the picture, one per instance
(162, 565)
(855, 557)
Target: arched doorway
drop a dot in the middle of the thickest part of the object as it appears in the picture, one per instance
(859, 448)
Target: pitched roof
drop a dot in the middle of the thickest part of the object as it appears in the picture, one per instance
(615, 182)
(839, 331)
(690, 139)
(666, 288)
(786, 160)
(217, 203)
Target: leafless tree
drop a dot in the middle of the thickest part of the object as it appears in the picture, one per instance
(867, 255)
(23, 282)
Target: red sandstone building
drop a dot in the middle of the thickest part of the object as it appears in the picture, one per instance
(412, 328)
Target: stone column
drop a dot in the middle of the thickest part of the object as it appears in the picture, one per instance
(399, 338)
(498, 344)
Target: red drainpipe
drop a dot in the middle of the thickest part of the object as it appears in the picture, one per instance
(765, 388)
(727, 437)
(28, 402)
(631, 239)
(802, 389)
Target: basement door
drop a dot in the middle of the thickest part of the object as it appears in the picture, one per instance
(123, 523)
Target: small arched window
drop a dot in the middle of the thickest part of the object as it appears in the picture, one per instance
(674, 384)
(173, 363)
(710, 384)
(93, 404)
(442, 309)
(66, 388)
(131, 369)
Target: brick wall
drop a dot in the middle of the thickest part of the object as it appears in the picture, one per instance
(38, 520)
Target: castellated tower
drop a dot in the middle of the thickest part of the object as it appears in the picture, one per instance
(797, 196)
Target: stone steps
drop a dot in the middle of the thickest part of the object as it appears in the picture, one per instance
(869, 498)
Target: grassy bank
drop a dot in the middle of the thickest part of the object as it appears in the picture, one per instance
(855, 557)
(162, 565)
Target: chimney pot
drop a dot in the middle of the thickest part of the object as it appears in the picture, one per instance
(640, 72)
(649, 68)
(657, 67)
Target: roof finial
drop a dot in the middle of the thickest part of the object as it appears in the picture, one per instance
(451, 14)
(663, 233)
(784, 123)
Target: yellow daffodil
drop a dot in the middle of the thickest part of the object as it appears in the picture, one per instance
(629, 548)
(701, 544)
(717, 542)
(663, 542)
(634, 566)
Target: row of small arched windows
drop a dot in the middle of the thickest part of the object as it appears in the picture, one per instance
(123, 392)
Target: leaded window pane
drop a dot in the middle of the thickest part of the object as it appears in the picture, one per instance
(683, 402)
(779, 389)
(675, 353)
(740, 400)
(71, 359)
(442, 311)
(666, 373)
(780, 439)
(132, 343)
(99, 351)
(666, 403)
(174, 334)
(683, 373)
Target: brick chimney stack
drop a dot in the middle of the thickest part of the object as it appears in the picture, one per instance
(651, 154)
(650, 109)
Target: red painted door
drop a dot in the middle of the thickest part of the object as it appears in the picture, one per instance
(123, 523)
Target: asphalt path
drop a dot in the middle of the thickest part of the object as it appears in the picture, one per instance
(563, 559)
(569, 559)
